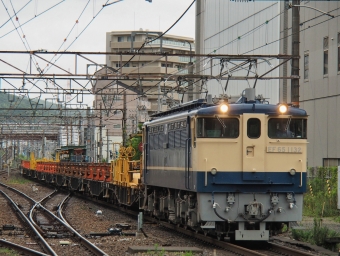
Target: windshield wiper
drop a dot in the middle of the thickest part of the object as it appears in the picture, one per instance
(222, 123)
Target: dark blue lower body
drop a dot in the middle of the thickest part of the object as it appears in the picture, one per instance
(234, 182)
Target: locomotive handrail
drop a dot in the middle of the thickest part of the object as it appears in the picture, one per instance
(146, 155)
(301, 176)
(187, 163)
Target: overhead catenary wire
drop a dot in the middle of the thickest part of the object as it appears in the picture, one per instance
(16, 28)
(268, 43)
(70, 44)
(34, 18)
(74, 25)
(80, 32)
(16, 13)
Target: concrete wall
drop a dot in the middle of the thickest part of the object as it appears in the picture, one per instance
(229, 27)
(319, 94)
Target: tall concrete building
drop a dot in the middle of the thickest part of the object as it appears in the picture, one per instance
(125, 103)
(320, 78)
(265, 27)
(131, 41)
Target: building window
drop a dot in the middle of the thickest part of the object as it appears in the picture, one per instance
(117, 97)
(338, 52)
(117, 126)
(117, 65)
(129, 38)
(331, 162)
(306, 66)
(325, 55)
(120, 39)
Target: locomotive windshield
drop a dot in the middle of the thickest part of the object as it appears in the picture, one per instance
(217, 127)
(287, 128)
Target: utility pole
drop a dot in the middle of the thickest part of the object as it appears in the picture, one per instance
(198, 36)
(88, 133)
(190, 72)
(43, 146)
(295, 90)
(72, 142)
(159, 98)
(107, 146)
(100, 134)
(124, 119)
(80, 134)
(285, 49)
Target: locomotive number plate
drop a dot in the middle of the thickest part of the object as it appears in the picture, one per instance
(293, 150)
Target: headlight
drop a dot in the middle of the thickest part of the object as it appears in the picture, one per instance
(292, 172)
(224, 108)
(213, 171)
(283, 108)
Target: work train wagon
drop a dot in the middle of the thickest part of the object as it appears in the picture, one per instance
(235, 170)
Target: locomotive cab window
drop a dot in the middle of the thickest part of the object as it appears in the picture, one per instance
(254, 128)
(217, 127)
(287, 128)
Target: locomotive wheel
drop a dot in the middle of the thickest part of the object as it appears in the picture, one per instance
(220, 237)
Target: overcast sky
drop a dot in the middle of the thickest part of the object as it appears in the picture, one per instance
(48, 30)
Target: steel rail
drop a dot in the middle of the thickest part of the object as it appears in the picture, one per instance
(213, 241)
(46, 246)
(94, 249)
(25, 250)
(222, 244)
(288, 251)
(33, 209)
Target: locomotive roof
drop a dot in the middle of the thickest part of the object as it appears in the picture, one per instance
(201, 107)
(241, 108)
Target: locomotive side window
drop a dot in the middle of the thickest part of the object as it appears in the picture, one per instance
(217, 127)
(287, 128)
(184, 136)
(177, 139)
(171, 139)
(253, 128)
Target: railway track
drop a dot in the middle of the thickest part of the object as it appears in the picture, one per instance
(267, 248)
(46, 225)
(230, 248)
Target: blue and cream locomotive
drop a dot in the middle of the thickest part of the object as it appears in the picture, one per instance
(236, 170)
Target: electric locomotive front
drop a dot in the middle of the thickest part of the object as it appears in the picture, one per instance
(251, 168)
(238, 169)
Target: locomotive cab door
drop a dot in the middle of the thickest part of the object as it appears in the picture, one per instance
(253, 147)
